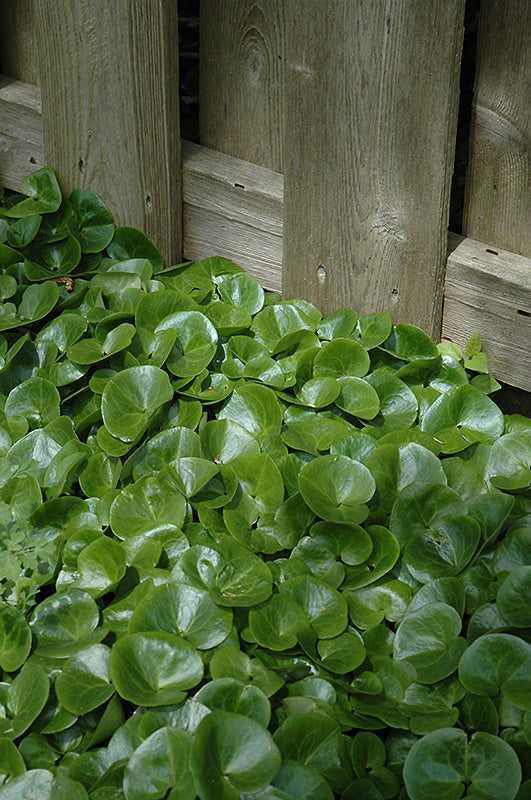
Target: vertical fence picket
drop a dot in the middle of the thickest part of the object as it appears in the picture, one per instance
(110, 92)
(498, 191)
(370, 134)
(242, 53)
(18, 54)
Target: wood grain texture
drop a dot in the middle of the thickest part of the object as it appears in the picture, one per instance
(18, 47)
(21, 137)
(110, 93)
(370, 133)
(241, 85)
(498, 189)
(489, 291)
(233, 209)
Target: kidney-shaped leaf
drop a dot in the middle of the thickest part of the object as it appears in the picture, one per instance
(15, 638)
(91, 222)
(461, 416)
(228, 694)
(35, 399)
(311, 739)
(429, 640)
(514, 598)
(336, 487)
(498, 662)
(161, 765)
(185, 610)
(324, 606)
(131, 398)
(196, 342)
(509, 461)
(233, 575)
(153, 668)
(443, 762)
(43, 785)
(232, 754)
(276, 623)
(44, 194)
(63, 622)
(84, 682)
(25, 699)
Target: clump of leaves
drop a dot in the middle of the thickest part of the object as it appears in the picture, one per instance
(246, 551)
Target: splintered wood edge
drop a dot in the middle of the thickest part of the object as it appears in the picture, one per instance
(235, 209)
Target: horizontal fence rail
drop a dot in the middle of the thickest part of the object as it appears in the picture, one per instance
(234, 208)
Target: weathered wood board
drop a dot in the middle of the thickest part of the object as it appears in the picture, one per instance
(489, 291)
(110, 95)
(233, 208)
(241, 87)
(498, 188)
(371, 114)
(18, 46)
(21, 137)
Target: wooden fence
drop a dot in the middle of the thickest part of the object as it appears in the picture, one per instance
(328, 134)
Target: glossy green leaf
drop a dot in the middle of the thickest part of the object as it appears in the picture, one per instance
(63, 622)
(153, 668)
(43, 195)
(241, 290)
(131, 398)
(55, 259)
(184, 610)
(498, 662)
(35, 399)
(429, 640)
(233, 575)
(443, 762)
(462, 416)
(152, 504)
(443, 550)
(276, 623)
(514, 598)
(228, 694)
(22, 231)
(11, 762)
(25, 699)
(232, 754)
(339, 358)
(15, 638)
(398, 404)
(84, 681)
(91, 222)
(509, 461)
(161, 765)
(324, 606)
(131, 243)
(336, 488)
(319, 392)
(357, 397)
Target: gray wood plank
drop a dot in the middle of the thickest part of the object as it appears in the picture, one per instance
(370, 135)
(21, 137)
(110, 92)
(18, 51)
(489, 291)
(498, 189)
(242, 58)
(233, 209)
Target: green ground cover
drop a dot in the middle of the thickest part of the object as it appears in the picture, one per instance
(246, 552)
